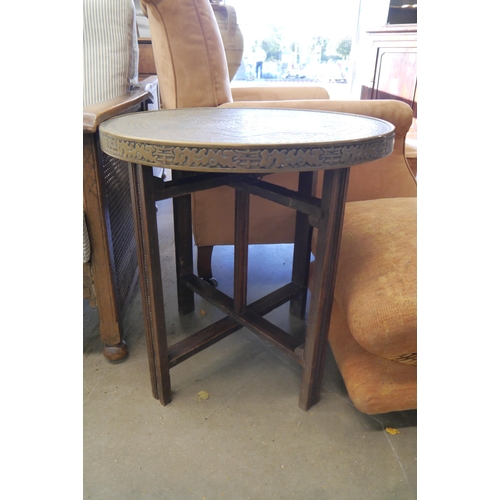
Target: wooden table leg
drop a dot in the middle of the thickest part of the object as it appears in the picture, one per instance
(148, 257)
(183, 235)
(241, 230)
(302, 250)
(328, 244)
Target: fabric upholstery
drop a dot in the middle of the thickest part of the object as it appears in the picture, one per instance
(192, 70)
(110, 49)
(376, 285)
(373, 329)
(387, 178)
(189, 58)
(110, 59)
(213, 222)
(374, 384)
(279, 93)
(272, 223)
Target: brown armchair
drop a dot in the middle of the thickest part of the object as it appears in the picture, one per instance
(190, 61)
(373, 328)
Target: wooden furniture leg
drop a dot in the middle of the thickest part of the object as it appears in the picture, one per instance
(183, 235)
(241, 228)
(302, 250)
(96, 213)
(204, 262)
(329, 234)
(148, 256)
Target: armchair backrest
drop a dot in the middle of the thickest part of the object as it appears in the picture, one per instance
(189, 53)
(110, 49)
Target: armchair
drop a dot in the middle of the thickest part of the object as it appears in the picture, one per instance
(110, 71)
(192, 71)
(373, 328)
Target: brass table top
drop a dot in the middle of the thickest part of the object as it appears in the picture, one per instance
(246, 140)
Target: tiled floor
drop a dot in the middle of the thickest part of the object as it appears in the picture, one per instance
(249, 440)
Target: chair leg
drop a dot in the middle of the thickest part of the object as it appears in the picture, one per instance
(115, 352)
(204, 264)
(103, 268)
(302, 250)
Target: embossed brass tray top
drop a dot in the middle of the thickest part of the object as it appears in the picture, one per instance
(210, 147)
(246, 140)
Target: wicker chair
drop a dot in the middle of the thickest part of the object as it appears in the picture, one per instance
(110, 87)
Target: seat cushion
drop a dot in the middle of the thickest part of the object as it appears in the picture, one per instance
(374, 384)
(376, 285)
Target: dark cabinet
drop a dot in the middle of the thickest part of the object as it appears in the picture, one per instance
(393, 69)
(394, 65)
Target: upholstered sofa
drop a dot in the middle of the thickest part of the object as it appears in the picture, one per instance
(373, 328)
(373, 331)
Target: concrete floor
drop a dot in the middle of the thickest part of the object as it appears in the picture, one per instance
(249, 440)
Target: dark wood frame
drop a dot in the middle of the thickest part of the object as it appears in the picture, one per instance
(392, 47)
(326, 214)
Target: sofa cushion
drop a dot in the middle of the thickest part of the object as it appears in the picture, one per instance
(374, 384)
(376, 285)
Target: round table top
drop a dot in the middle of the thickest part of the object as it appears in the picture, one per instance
(246, 140)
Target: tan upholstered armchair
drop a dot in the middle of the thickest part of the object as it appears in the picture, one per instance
(373, 332)
(192, 71)
(110, 87)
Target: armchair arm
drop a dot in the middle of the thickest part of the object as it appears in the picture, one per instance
(389, 177)
(393, 111)
(279, 93)
(95, 114)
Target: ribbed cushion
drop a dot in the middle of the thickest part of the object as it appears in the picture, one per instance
(110, 49)
(376, 285)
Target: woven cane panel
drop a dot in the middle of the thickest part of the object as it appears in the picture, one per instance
(116, 180)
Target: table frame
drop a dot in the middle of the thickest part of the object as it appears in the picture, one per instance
(326, 214)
